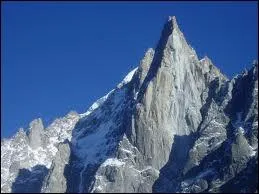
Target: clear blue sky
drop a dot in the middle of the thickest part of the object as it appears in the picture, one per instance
(58, 57)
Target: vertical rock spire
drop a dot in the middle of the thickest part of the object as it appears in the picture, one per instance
(172, 50)
(36, 129)
(171, 38)
(173, 22)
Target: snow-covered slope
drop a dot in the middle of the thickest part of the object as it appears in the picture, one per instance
(23, 152)
(174, 124)
(40, 146)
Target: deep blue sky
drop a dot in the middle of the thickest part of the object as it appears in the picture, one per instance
(58, 57)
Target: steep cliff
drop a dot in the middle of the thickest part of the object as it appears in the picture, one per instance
(174, 124)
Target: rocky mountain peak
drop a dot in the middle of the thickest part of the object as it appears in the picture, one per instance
(144, 66)
(173, 22)
(36, 124)
(171, 37)
(206, 60)
(173, 124)
(20, 133)
(36, 129)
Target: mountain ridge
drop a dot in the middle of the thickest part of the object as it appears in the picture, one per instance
(169, 119)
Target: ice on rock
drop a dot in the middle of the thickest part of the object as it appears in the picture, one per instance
(112, 162)
(100, 101)
(127, 78)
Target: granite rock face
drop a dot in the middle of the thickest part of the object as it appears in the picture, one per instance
(33, 152)
(174, 124)
(55, 181)
(36, 129)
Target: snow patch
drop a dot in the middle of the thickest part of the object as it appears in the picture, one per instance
(96, 104)
(136, 95)
(255, 123)
(127, 151)
(112, 162)
(87, 147)
(253, 151)
(239, 124)
(216, 122)
(38, 157)
(127, 78)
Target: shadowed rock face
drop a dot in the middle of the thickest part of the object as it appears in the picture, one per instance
(174, 124)
(29, 181)
(56, 181)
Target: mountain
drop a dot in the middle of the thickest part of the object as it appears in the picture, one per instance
(174, 124)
